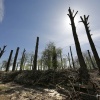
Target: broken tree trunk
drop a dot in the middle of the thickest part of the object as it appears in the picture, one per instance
(36, 53)
(96, 56)
(9, 60)
(83, 72)
(15, 59)
(69, 61)
(22, 60)
(72, 58)
(91, 59)
(2, 51)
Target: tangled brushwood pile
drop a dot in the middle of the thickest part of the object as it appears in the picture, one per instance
(64, 81)
(8, 76)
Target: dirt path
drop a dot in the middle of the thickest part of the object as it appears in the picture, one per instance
(12, 91)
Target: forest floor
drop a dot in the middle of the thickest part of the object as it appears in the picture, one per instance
(12, 91)
(48, 85)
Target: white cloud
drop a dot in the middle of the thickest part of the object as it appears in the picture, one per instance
(1, 10)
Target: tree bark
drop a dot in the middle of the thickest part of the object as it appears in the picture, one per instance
(83, 72)
(72, 58)
(36, 53)
(96, 56)
(15, 59)
(8, 63)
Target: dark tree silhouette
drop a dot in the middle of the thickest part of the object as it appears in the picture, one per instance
(31, 62)
(72, 58)
(36, 53)
(22, 60)
(83, 72)
(86, 24)
(2, 51)
(9, 60)
(91, 59)
(15, 59)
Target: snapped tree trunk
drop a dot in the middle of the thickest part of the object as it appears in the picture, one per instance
(72, 58)
(2, 51)
(22, 60)
(9, 60)
(83, 72)
(69, 60)
(15, 59)
(36, 53)
(96, 56)
(91, 59)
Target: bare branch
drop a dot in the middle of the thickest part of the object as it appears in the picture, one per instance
(84, 17)
(88, 23)
(68, 15)
(87, 17)
(75, 14)
(81, 19)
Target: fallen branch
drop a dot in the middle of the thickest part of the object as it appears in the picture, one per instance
(63, 91)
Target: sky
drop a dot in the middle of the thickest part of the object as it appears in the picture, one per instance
(21, 21)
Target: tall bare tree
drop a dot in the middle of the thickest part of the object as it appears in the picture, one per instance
(2, 51)
(69, 60)
(86, 24)
(15, 59)
(36, 53)
(8, 63)
(72, 57)
(91, 59)
(83, 72)
(22, 59)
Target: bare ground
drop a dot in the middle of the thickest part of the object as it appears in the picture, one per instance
(12, 91)
(69, 89)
